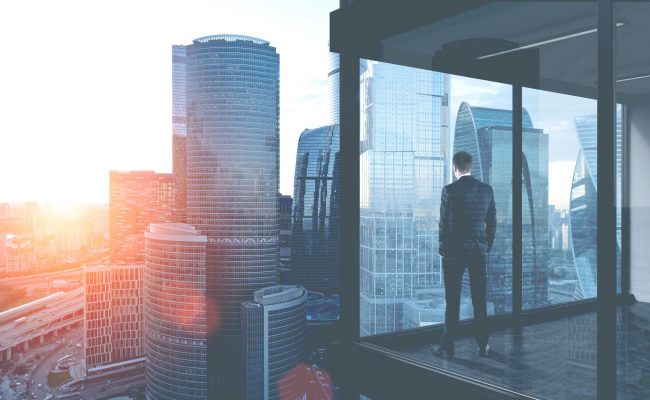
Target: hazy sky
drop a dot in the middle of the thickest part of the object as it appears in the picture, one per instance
(86, 85)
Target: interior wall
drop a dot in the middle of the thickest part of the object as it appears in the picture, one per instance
(639, 153)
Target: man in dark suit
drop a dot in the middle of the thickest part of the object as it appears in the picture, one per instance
(466, 234)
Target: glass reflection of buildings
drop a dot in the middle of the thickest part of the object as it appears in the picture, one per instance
(583, 205)
(315, 249)
(486, 134)
(404, 137)
(232, 104)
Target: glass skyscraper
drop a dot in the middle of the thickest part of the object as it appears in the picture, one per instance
(273, 347)
(175, 313)
(486, 134)
(404, 137)
(315, 251)
(583, 207)
(232, 105)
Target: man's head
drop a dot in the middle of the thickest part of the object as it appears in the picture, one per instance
(462, 163)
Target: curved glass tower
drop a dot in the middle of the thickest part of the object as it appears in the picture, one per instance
(175, 317)
(274, 329)
(486, 134)
(315, 251)
(583, 206)
(232, 181)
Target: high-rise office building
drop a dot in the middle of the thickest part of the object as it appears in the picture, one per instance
(232, 103)
(334, 84)
(583, 206)
(404, 135)
(18, 254)
(175, 313)
(486, 134)
(273, 343)
(179, 131)
(316, 248)
(114, 313)
(137, 198)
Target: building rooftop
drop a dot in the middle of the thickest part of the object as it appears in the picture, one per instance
(229, 38)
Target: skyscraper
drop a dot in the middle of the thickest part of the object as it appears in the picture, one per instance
(114, 313)
(179, 131)
(486, 134)
(273, 345)
(175, 313)
(315, 251)
(583, 206)
(137, 198)
(404, 132)
(232, 182)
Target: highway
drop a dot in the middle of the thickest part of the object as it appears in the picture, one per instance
(57, 315)
(68, 274)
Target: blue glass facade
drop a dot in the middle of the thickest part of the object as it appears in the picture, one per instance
(175, 313)
(404, 141)
(315, 250)
(232, 182)
(583, 211)
(273, 346)
(487, 135)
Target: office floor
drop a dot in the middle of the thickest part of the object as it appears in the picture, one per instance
(554, 360)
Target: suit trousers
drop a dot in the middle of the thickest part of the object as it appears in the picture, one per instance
(454, 268)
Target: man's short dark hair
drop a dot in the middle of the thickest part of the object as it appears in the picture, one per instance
(463, 162)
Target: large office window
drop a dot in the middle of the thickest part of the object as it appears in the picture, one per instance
(412, 122)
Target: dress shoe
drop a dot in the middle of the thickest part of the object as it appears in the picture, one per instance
(442, 351)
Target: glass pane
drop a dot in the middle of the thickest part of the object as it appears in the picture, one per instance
(404, 148)
(632, 65)
(406, 152)
(559, 199)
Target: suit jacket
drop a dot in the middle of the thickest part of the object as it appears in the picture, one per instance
(467, 218)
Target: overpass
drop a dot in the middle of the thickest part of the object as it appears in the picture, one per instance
(64, 312)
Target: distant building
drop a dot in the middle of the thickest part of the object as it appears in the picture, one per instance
(137, 198)
(176, 328)
(114, 311)
(18, 254)
(584, 193)
(316, 243)
(273, 343)
(403, 155)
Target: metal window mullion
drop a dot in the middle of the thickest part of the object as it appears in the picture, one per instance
(349, 155)
(606, 236)
(517, 151)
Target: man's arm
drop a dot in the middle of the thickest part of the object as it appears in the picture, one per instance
(491, 221)
(446, 220)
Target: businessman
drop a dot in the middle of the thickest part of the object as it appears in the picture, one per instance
(466, 234)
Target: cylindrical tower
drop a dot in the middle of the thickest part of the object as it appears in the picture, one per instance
(175, 315)
(274, 328)
(232, 181)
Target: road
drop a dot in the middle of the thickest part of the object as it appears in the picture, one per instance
(40, 372)
(19, 281)
(10, 332)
